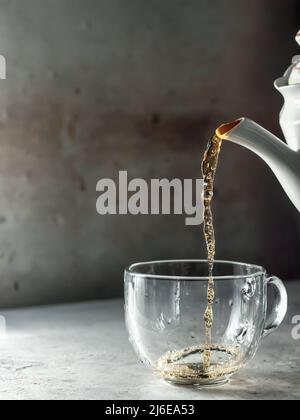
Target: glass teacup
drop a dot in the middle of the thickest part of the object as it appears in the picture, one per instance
(165, 302)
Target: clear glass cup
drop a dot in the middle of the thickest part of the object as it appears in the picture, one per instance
(165, 302)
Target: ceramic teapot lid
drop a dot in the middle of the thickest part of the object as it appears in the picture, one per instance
(294, 71)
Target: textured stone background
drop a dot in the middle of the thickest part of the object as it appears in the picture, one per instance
(98, 86)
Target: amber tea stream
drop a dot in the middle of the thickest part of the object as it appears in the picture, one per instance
(209, 167)
(173, 366)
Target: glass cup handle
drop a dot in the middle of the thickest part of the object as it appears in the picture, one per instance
(280, 309)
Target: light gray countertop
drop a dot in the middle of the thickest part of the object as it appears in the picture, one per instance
(81, 351)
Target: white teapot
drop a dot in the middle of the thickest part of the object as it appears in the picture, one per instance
(283, 158)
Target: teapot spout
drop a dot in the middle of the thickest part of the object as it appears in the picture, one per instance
(284, 162)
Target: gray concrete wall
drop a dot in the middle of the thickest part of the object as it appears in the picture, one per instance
(98, 86)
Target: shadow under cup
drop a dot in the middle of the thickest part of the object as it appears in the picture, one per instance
(165, 302)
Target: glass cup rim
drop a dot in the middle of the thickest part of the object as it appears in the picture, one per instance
(258, 271)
